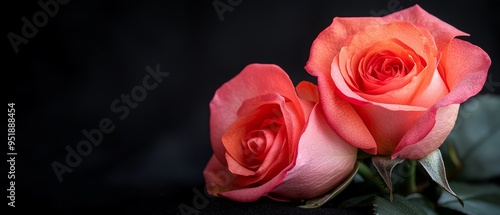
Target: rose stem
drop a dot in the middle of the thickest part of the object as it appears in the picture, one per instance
(368, 175)
(411, 183)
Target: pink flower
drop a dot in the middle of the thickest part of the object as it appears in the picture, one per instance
(269, 141)
(392, 85)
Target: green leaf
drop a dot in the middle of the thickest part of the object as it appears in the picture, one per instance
(434, 165)
(398, 206)
(319, 201)
(423, 203)
(364, 200)
(479, 199)
(384, 166)
(475, 138)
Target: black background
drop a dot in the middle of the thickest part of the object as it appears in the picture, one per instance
(65, 78)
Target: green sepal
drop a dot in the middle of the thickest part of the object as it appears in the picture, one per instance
(384, 166)
(434, 165)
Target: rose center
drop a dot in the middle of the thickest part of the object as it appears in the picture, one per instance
(386, 66)
(255, 143)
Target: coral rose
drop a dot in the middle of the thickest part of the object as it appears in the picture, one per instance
(269, 141)
(392, 85)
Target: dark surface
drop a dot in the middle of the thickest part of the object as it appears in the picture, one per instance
(67, 76)
(263, 206)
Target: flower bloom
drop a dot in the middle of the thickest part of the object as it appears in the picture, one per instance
(392, 85)
(271, 139)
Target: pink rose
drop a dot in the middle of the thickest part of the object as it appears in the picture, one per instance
(392, 85)
(269, 141)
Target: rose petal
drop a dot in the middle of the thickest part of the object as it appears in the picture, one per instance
(219, 182)
(308, 95)
(307, 91)
(283, 144)
(232, 141)
(217, 177)
(329, 42)
(292, 113)
(442, 32)
(343, 119)
(445, 120)
(418, 39)
(254, 193)
(466, 68)
(434, 92)
(323, 161)
(387, 126)
(275, 161)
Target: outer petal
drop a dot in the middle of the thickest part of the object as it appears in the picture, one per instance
(308, 96)
(343, 119)
(254, 193)
(217, 177)
(308, 91)
(329, 42)
(443, 32)
(466, 68)
(254, 80)
(387, 126)
(218, 180)
(433, 93)
(445, 120)
(323, 161)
